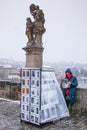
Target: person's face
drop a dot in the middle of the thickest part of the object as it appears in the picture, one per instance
(68, 75)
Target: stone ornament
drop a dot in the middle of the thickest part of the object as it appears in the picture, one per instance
(35, 29)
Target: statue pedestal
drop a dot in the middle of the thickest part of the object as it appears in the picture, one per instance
(34, 56)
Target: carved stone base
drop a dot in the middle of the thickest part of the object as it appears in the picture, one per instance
(34, 56)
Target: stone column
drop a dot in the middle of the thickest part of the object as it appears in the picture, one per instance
(34, 57)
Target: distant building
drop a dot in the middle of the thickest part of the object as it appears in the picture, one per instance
(14, 75)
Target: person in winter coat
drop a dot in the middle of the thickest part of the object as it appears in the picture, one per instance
(69, 85)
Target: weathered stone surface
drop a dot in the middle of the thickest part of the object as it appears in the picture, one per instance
(35, 29)
(81, 101)
(10, 120)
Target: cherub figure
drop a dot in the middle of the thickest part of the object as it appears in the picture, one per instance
(29, 30)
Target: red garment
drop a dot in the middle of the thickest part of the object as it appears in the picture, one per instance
(67, 91)
(68, 75)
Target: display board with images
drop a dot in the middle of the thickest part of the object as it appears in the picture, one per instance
(30, 95)
(52, 100)
(41, 97)
(35, 96)
(25, 94)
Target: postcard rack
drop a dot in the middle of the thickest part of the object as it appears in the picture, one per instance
(42, 100)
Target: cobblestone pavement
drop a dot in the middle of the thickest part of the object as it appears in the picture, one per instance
(10, 120)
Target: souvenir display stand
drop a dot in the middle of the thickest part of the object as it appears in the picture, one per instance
(42, 100)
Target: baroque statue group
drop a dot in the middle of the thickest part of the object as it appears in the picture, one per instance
(35, 29)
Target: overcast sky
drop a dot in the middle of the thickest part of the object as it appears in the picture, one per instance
(65, 38)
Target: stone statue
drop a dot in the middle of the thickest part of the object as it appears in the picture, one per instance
(35, 29)
(29, 30)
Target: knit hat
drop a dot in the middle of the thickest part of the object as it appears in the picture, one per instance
(68, 70)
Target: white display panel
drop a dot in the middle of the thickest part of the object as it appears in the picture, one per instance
(53, 105)
(30, 95)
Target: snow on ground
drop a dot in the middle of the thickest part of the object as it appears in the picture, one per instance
(11, 101)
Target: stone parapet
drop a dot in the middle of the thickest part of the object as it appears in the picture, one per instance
(81, 101)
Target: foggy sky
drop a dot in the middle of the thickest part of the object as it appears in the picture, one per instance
(65, 38)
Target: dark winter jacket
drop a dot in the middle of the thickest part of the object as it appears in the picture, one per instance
(72, 88)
